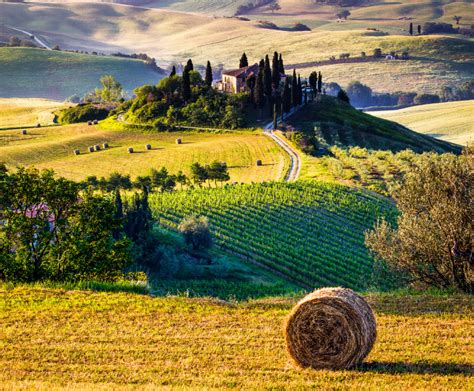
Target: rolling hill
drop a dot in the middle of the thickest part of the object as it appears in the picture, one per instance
(53, 148)
(172, 37)
(27, 72)
(330, 121)
(446, 121)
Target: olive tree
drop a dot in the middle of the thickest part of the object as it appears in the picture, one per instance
(432, 242)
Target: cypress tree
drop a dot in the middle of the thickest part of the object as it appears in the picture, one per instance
(267, 77)
(294, 90)
(209, 77)
(320, 82)
(259, 92)
(286, 97)
(275, 71)
(419, 29)
(261, 64)
(300, 91)
(243, 61)
(173, 71)
(281, 66)
(186, 90)
(411, 28)
(313, 81)
(189, 65)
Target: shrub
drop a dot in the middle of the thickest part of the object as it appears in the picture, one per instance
(82, 113)
(196, 232)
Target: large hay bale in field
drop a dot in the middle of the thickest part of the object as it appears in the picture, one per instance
(330, 328)
(130, 150)
(77, 152)
(148, 147)
(96, 122)
(89, 123)
(97, 148)
(105, 145)
(259, 163)
(179, 141)
(24, 132)
(91, 149)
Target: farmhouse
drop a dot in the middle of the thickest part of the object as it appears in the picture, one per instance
(235, 81)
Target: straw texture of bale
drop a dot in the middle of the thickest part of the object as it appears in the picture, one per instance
(331, 328)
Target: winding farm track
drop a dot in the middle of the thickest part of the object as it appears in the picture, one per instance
(33, 36)
(295, 159)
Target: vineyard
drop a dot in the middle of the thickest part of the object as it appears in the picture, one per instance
(311, 233)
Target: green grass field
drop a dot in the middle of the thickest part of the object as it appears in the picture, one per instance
(27, 112)
(312, 233)
(57, 75)
(447, 121)
(56, 339)
(53, 148)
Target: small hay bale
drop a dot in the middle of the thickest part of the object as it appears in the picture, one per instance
(259, 163)
(24, 132)
(96, 122)
(179, 141)
(105, 145)
(38, 125)
(97, 148)
(89, 123)
(130, 150)
(330, 328)
(148, 147)
(91, 149)
(77, 152)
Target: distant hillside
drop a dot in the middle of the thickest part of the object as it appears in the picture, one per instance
(447, 121)
(57, 75)
(328, 121)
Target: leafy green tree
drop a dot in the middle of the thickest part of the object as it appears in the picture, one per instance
(198, 174)
(218, 172)
(267, 77)
(432, 242)
(243, 61)
(209, 78)
(286, 96)
(276, 71)
(342, 95)
(259, 92)
(111, 90)
(294, 90)
(186, 86)
(196, 232)
(359, 94)
(182, 179)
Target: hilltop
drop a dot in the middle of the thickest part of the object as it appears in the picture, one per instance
(50, 74)
(328, 121)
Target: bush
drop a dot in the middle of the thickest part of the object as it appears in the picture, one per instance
(196, 232)
(425, 99)
(82, 113)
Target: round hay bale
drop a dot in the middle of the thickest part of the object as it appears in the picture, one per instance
(105, 145)
(91, 149)
(89, 123)
(179, 141)
(77, 152)
(38, 125)
(97, 148)
(259, 163)
(130, 150)
(24, 132)
(330, 328)
(96, 122)
(148, 147)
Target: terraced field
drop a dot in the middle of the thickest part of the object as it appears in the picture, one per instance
(310, 232)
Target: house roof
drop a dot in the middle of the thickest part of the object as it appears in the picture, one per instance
(243, 72)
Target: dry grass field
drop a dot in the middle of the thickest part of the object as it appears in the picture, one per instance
(52, 339)
(53, 148)
(27, 112)
(173, 36)
(450, 121)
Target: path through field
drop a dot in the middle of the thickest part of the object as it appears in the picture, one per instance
(39, 41)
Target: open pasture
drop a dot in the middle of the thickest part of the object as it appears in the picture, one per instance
(53, 148)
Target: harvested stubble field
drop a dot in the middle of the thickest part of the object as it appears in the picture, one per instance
(53, 147)
(52, 339)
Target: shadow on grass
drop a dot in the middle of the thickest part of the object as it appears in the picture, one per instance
(439, 368)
